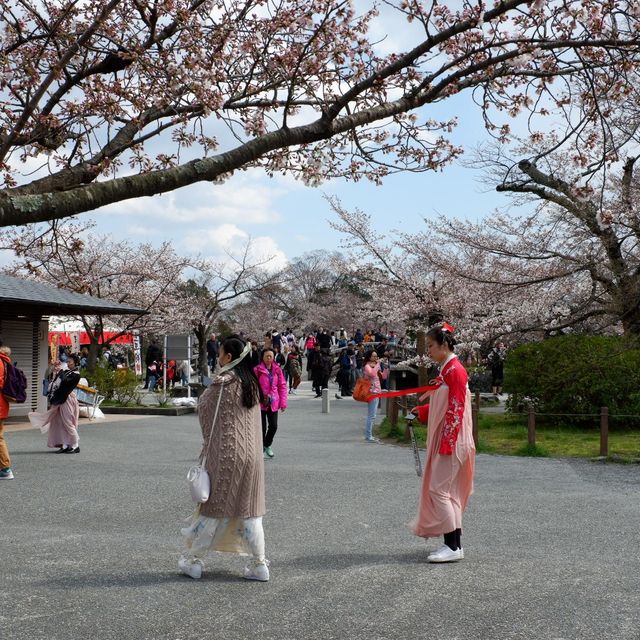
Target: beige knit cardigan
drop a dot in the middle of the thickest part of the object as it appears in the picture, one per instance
(235, 459)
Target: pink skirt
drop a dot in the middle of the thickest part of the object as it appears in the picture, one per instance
(60, 422)
(447, 481)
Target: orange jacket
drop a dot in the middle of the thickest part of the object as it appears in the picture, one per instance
(4, 403)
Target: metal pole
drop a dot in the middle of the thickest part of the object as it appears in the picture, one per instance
(164, 370)
(414, 444)
(189, 366)
(326, 405)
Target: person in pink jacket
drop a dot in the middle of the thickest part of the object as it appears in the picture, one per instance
(274, 393)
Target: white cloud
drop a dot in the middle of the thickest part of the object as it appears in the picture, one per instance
(139, 230)
(218, 242)
(246, 196)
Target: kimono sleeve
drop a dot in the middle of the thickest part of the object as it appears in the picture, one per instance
(456, 379)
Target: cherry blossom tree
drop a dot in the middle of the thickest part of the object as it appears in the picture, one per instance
(71, 256)
(315, 290)
(577, 250)
(418, 280)
(203, 301)
(106, 100)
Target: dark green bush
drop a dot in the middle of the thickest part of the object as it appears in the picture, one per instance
(576, 375)
(102, 379)
(120, 385)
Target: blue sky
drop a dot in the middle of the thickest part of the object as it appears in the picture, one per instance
(286, 218)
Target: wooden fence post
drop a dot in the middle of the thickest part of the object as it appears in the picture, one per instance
(531, 427)
(475, 417)
(604, 432)
(392, 412)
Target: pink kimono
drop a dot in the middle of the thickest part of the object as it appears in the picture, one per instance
(447, 481)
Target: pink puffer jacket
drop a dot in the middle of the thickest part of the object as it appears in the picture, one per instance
(273, 386)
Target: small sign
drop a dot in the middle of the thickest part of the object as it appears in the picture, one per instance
(177, 347)
(137, 355)
(75, 342)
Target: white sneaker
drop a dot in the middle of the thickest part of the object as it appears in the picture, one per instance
(192, 569)
(257, 571)
(445, 554)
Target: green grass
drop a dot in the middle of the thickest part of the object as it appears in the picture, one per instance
(507, 435)
(116, 403)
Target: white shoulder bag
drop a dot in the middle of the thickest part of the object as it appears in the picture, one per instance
(198, 478)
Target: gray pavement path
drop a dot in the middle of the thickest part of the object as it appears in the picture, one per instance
(89, 542)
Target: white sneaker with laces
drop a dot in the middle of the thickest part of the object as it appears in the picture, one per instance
(446, 554)
(193, 569)
(257, 571)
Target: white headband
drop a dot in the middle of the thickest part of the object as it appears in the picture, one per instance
(233, 363)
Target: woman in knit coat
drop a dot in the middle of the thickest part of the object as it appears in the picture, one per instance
(231, 519)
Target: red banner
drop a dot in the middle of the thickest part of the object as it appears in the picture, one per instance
(64, 337)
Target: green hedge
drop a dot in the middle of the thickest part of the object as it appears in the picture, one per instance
(575, 375)
(120, 385)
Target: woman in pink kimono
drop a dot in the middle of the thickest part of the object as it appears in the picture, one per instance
(447, 482)
(61, 421)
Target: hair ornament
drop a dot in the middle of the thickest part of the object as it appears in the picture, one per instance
(447, 327)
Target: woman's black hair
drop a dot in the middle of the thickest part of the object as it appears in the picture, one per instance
(234, 345)
(368, 354)
(75, 357)
(439, 335)
(267, 349)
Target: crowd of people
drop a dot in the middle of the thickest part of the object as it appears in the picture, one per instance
(250, 385)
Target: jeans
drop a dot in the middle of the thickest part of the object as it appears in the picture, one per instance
(371, 416)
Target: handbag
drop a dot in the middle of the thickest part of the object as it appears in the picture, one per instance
(197, 476)
(362, 390)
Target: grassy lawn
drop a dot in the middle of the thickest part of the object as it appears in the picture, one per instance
(507, 435)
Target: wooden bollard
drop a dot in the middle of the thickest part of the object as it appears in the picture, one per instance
(475, 417)
(604, 432)
(393, 411)
(531, 427)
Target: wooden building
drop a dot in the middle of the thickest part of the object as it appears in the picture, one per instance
(25, 308)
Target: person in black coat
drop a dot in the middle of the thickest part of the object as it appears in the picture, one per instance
(316, 366)
(60, 422)
(212, 352)
(153, 354)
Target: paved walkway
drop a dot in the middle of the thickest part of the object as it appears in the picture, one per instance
(89, 542)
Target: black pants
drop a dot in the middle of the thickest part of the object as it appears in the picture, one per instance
(345, 382)
(317, 381)
(269, 427)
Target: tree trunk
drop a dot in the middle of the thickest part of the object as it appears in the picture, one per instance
(631, 319)
(421, 343)
(93, 354)
(201, 335)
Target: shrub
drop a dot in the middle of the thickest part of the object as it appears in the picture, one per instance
(120, 385)
(125, 390)
(576, 375)
(102, 379)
